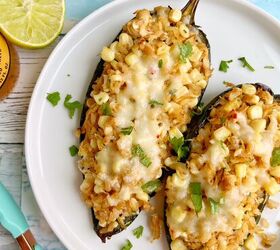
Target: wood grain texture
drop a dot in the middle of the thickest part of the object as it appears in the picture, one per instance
(14, 108)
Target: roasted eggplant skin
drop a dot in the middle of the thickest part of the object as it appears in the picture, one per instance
(198, 122)
(188, 10)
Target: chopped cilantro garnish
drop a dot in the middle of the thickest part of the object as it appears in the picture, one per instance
(153, 103)
(245, 64)
(106, 109)
(53, 98)
(160, 63)
(127, 245)
(198, 110)
(269, 67)
(178, 146)
(151, 186)
(72, 106)
(137, 232)
(224, 65)
(214, 206)
(275, 158)
(196, 195)
(223, 120)
(139, 152)
(185, 51)
(127, 131)
(73, 150)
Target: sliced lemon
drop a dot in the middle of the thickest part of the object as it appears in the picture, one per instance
(31, 23)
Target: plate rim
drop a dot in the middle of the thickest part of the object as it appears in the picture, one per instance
(30, 119)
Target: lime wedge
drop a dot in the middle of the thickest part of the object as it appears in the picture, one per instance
(31, 23)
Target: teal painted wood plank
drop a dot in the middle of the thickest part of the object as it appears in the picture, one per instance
(11, 157)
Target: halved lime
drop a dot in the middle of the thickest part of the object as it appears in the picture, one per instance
(31, 23)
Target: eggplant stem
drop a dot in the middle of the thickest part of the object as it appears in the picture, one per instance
(189, 10)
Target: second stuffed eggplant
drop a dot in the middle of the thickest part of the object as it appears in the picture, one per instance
(215, 199)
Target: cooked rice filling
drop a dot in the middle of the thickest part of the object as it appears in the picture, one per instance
(149, 86)
(231, 161)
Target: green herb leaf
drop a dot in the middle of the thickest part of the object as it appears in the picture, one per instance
(106, 109)
(139, 152)
(245, 64)
(73, 150)
(127, 245)
(153, 103)
(160, 63)
(269, 67)
(214, 206)
(137, 232)
(185, 51)
(223, 120)
(275, 158)
(72, 106)
(53, 98)
(182, 152)
(198, 110)
(151, 186)
(196, 195)
(224, 65)
(178, 146)
(127, 131)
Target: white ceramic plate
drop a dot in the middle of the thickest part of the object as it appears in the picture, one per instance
(235, 28)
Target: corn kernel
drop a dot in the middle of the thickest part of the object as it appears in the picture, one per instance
(196, 54)
(116, 78)
(131, 59)
(178, 244)
(239, 220)
(143, 14)
(176, 181)
(258, 125)
(249, 89)
(185, 67)
(275, 171)
(255, 112)
(102, 121)
(196, 75)
(241, 170)
(175, 132)
(175, 15)
(178, 214)
(175, 51)
(181, 92)
(101, 98)
(272, 187)
(141, 195)
(235, 104)
(170, 160)
(108, 55)
(222, 133)
(251, 243)
(202, 84)
(126, 40)
(164, 49)
(184, 31)
(113, 46)
(108, 130)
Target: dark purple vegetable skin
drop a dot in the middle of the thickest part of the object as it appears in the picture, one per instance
(188, 10)
(198, 122)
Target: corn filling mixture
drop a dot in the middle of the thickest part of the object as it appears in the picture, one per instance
(213, 199)
(153, 77)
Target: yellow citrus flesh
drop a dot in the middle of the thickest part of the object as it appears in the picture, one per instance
(31, 23)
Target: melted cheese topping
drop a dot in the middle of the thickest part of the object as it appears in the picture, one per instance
(234, 172)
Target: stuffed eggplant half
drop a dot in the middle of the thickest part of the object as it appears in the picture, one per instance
(215, 199)
(147, 84)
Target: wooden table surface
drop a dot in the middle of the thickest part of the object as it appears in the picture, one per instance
(13, 111)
